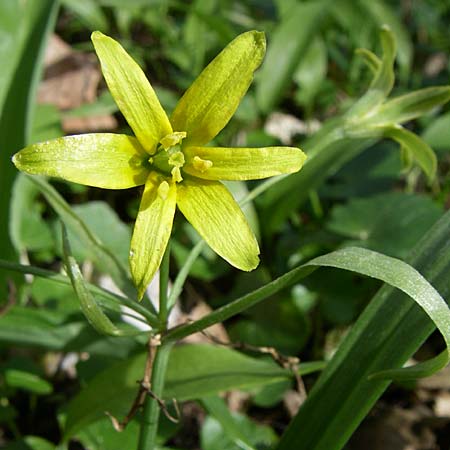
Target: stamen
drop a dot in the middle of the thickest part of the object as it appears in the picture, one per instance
(176, 175)
(202, 165)
(172, 139)
(163, 190)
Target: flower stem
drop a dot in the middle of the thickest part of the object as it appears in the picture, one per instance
(163, 288)
(149, 427)
(152, 404)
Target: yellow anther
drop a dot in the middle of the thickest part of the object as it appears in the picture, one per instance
(163, 190)
(176, 175)
(172, 139)
(202, 165)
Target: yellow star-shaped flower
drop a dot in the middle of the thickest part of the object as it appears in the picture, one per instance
(169, 157)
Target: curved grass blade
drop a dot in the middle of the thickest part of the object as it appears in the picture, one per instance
(108, 299)
(387, 333)
(94, 314)
(366, 262)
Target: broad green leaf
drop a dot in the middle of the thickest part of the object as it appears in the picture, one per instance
(152, 230)
(106, 299)
(225, 430)
(194, 371)
(28, 230)
(89, 12)
(412, 105)
(103, 256)
(207, 205)
(311, 72)
(222, 163)
(92, 311)
(383, 14)
(46, 124)
(437, 134)
(27, 381)
(37, 328)
(214, 96)
(24, 27)
(31, 443)
(103, 221)
(132, 92)
(329, 416)
(288, 43)
(418, 149)
(390, 223)
(110, 161)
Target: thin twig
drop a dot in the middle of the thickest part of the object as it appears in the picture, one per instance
(144, 386)
(12, 298)
(287, 362)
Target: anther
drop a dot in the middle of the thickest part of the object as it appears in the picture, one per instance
(163, 190)
(202, 165)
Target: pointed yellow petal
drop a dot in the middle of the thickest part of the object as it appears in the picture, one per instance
(212, 210)
(209, 103)
(152, 229)
(111, 161)
(217, 163)
(132, 92)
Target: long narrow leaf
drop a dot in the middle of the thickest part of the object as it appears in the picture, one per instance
(389, 331)
(94, 314)
(27, 25)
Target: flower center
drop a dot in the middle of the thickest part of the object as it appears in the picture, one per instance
(169, 157)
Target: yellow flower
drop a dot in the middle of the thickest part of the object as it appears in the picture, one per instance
(169, 157)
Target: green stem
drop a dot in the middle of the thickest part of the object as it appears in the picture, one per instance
(149, 426)
(152, 406)
(184, 272)
(237, 306)
(163, 288)
(106, 297)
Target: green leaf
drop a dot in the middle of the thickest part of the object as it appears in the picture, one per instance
(311, 71)
(225, 430)
(28, 230)
(389, 223)
(94, 314)
(31, 443)
(194, 371)
(27, 381)
(288, 42)
(437, 134)
(383, 14)
(103, 221)
(411, 105)
(103, 256)
(329, 416)
(419, 151)
(106, 299)
(37, 328)
(24, 27)
(383, 80)
(89, 12)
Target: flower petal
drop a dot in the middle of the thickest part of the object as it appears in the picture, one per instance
(218, 163)
(212, 99)
(152, 229)
(132, 92)
(212, 210)
(111, 161)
